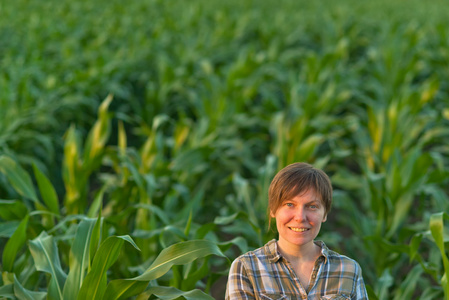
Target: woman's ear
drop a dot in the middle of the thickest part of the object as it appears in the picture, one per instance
(324, 219)
(272, 214)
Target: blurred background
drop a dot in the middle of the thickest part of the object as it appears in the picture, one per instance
(165, 121)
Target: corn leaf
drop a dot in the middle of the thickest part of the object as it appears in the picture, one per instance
(239, 241)
(241, 215)
(96, 204)
(307, 148)
(414, 245)
(193, 272)
(123, 289)
(122, 139)
(371, 294)
(177, 254)
(157, 211)
(167, 293)
(14, 244)
(18, 178)
(23, 294)
(12, 210)
(7, 229)
(408, 285)
(94, 285)
(100, 132)
(383, 284)
(96, 236)
(79, 259)
(71, 170)
(437, 230)
(46, 258)
(7, 291)
(47, 190)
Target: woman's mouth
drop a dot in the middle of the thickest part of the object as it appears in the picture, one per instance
(296, 229)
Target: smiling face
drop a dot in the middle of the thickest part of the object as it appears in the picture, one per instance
(298, 220)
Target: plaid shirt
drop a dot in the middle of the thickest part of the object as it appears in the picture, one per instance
(265, 274)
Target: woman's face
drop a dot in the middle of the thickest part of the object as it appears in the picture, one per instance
(298, 220)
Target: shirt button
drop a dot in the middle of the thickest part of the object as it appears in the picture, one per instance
(313, 276)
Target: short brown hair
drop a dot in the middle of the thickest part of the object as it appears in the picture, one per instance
(296, 179)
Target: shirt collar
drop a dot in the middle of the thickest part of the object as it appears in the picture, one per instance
(273, 254)
(324, 250)
(271, 250)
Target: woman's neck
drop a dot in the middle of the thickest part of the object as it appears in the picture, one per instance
(303, 253)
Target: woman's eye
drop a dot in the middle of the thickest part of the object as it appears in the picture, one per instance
(289, 204)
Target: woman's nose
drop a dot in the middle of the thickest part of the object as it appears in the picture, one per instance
(300, 214)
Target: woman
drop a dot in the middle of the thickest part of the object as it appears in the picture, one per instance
(296, 266)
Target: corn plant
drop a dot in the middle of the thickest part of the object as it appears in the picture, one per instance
(90, 257)
(85, 257)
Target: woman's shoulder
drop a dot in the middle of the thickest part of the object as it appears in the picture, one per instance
(268, 252)
(340, 260)
(335, 257)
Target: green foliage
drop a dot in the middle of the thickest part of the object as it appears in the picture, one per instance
(89, 278)
(437, 230)
(145, 129)
(46, 259)
(17, 240)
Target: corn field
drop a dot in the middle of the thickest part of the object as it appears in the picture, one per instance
(138, 140)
